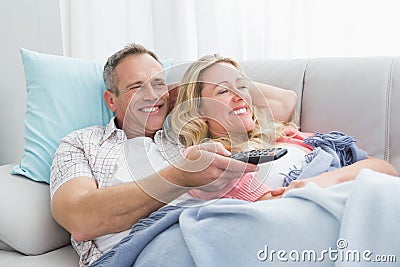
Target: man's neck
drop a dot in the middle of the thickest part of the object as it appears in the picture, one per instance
(116, 123)
(151, 135)
(131, 135)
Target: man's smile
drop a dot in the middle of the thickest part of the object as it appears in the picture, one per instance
(151, 109)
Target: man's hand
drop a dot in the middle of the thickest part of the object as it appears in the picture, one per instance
(208, 166)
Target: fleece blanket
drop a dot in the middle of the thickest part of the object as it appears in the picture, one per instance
(350, 224)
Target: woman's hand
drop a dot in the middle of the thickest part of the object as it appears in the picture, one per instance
(323, 180)
(274, 193)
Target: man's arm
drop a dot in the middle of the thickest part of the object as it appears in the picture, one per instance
(88, 212)
(281, 101)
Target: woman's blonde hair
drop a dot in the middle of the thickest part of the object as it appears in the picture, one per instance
(187, 122)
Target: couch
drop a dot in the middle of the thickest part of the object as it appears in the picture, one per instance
(358, 96)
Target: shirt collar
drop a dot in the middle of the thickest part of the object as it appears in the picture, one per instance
(110, 129)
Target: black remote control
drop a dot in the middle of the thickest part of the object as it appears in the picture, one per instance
(260, 156)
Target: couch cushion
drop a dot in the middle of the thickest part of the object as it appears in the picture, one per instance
(4, 246)
(62, 257)
(283, 73)
(26, 223)
(394, 120)
(348, 95)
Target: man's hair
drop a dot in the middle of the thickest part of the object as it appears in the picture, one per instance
(109, 76)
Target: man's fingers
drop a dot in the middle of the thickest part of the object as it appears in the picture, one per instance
(196, 152)
(215, 147)
(229, 164)
(214, 155)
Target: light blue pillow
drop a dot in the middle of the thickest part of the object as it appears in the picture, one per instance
(64, 94)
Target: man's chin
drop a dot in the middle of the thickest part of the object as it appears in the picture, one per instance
(154, 125)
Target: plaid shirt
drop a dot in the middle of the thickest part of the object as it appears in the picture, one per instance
(91, 152)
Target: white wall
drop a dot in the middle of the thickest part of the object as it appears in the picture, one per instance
(35, 25)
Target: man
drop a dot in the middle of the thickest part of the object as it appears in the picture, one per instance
(84, 202)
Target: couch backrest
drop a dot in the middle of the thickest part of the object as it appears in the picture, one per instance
(358, 96)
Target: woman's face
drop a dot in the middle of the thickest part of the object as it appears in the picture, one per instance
(226, 101)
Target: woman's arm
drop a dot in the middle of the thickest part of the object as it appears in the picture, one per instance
(347, 173)
(281, 101)
(338, 176)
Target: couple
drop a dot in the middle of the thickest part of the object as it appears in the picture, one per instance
(85, 202)
(213, 108)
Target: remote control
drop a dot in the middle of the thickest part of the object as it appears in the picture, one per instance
(260, 156)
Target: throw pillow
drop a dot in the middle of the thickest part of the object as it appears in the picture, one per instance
(64, 94)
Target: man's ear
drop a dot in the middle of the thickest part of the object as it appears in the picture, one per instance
(109, 97)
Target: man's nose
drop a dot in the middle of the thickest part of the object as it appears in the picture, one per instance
(148, 93)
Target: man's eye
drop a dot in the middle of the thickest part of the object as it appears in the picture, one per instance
(243, 87)
(136, 87)
(159, 85)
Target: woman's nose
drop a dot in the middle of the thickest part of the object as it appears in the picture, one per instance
(236, 97)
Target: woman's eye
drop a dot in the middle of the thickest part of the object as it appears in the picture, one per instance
(243, 87)
(223, 91)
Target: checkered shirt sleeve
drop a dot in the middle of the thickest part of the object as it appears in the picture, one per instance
(91, 152)
(69, 161)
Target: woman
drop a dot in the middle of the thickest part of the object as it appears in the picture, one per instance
(214, 105)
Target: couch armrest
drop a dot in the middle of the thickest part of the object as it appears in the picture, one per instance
(26, 222)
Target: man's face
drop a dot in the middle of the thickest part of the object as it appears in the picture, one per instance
(142, 103)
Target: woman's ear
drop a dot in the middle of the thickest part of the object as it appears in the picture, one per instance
(109, 97)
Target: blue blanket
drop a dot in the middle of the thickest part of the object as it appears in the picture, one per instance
(332, 151)
(351, 224)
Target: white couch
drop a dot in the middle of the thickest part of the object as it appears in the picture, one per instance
(358, 96)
